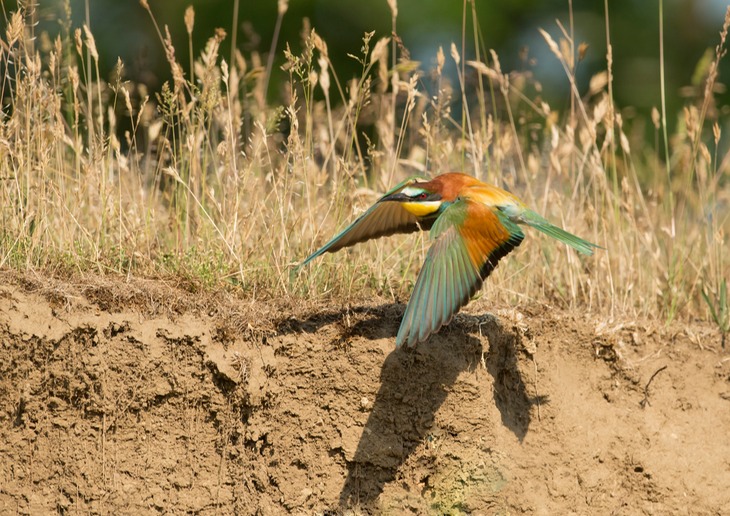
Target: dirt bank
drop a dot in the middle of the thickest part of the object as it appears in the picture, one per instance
(138, 397)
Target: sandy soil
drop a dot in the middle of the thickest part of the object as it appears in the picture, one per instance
(137, 397)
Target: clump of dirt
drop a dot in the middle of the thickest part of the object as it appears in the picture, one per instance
(215, 407)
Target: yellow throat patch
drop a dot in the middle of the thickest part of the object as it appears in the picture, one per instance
(422, 209)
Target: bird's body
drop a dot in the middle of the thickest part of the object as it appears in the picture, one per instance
(472, 224)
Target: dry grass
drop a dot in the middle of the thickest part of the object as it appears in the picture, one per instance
(211, 182)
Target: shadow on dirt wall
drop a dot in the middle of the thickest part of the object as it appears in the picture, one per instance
(415, 382)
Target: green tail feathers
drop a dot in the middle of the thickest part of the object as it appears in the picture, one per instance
(534, 220)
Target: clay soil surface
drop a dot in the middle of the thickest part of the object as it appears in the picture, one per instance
(133, 397)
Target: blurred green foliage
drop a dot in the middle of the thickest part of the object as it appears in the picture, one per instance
(509, 27)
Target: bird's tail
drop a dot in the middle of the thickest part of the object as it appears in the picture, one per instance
(534, 220)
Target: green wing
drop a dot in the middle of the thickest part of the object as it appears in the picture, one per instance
(469, 238)
(382, 219)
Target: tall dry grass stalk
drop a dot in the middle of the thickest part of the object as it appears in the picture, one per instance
(213, 182)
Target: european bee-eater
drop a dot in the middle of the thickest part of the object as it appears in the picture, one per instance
(472, 225)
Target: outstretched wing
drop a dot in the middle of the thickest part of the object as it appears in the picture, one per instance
(382, 219)
(469, 238)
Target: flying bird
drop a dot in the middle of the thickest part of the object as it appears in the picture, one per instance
(472, 226)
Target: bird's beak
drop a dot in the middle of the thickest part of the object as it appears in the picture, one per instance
(396, 197)
(423, 208)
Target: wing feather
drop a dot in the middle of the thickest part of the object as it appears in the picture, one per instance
(384, 218)
(469, 238)
(448, 290)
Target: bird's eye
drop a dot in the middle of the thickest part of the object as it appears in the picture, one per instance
(422, 196)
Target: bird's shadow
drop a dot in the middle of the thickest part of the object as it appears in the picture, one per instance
(415, 382)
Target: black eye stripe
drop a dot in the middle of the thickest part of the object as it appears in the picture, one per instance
(426, 196)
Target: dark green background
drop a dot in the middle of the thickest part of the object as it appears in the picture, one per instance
(123, 28)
